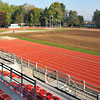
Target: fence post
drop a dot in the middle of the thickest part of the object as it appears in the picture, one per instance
(68, 79)
(4, 54)
(28, 63)
(10, 77)
(57, 77)
(34, 69)
(84, 85)
(14, 58)
(21, 84)
(21, 66)
(2, 71)
(36, 66)
(98, 97)
(46, 74)
(8, 56)
(35, 90)
(0, 52)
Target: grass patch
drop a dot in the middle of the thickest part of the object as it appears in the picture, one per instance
(2, 31)
(60, 46)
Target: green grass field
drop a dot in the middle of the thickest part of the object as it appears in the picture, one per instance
(2, 31)
(60, 46)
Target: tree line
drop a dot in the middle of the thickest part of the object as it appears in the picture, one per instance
(54, 16)
(96, 18)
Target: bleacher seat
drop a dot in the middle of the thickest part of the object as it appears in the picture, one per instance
(0, 72)
(28, 90)
(1, 92)
(48, 97)
(41, 94)
(50, 94)
(5, 97)
(14, 75)
(6, 73)
(56, 98)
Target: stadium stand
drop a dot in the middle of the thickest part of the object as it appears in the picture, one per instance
(28, 91)
(74, 88)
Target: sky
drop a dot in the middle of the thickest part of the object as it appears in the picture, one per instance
(85, 8)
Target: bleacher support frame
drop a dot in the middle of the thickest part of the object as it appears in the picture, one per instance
(9, 79)
(65, 82)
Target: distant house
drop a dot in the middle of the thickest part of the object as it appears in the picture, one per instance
(14, 26)
(89, 24)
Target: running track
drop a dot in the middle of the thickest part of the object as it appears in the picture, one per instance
(79, 65)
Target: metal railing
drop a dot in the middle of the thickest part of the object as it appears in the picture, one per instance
(65, 82)
(9, 79)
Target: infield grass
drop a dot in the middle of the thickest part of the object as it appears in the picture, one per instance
(60, 46)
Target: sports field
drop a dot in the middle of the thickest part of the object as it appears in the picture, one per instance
(79, 65)
(82, 40)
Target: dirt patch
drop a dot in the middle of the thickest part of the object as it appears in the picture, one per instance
(7, 38)
(89, 40)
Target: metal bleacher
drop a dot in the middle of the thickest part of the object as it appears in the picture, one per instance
(16, 81)
(23, 85)
(66, 88)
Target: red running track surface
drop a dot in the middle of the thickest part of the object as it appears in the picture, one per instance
(77, 64)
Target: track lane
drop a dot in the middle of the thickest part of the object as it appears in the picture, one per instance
(79, 65)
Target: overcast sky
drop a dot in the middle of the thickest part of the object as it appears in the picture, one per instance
(83, 7)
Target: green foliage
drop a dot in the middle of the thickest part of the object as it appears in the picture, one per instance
(55, 15)
(81, 20)
(26, 12)
(17, 16)
(35, 15)
(56, 12)
(73, 19)
(4, 7)
(3, 19)
(96, 17)
(44, 18)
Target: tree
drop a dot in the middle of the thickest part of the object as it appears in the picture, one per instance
(73, 18)
(4, 7)
(0, 2)
(35, 15)
(55, 13)
(18, 16)
(26, 12)
(96, 17)
(3, 19)
(44, 19)
(81, 20)
(12, 11)
(63, 7)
